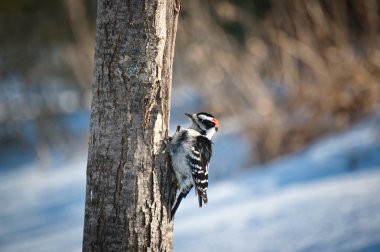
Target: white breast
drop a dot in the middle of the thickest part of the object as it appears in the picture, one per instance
(179, 149)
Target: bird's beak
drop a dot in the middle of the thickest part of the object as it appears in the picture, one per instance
(189, 115)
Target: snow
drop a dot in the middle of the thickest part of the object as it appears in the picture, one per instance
(42, 209)
(335, 214)
(325, 198)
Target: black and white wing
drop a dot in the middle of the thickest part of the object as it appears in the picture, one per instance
(199, 160)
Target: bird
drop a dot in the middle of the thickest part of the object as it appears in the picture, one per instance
(190, 151)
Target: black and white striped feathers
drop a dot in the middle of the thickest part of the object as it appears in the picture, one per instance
(190, 151)
(199, 160)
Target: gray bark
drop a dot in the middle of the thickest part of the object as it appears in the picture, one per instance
(129, 190)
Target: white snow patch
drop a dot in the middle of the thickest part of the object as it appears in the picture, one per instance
(43, 209)
(334, 214)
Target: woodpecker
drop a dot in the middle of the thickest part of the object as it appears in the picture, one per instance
(190, 151)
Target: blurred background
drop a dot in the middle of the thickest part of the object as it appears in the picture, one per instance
(295, 85)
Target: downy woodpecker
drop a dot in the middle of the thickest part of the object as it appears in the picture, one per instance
(190, 151)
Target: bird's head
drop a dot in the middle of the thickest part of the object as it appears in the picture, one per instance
(206, 124)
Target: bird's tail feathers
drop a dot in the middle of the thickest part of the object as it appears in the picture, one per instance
(177, 202)
(202, 198)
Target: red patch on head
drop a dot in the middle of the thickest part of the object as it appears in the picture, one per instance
(216, 122)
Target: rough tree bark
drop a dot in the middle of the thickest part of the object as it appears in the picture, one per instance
(128, 180)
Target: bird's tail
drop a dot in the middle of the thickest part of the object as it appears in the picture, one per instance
(178, 201)
(202, 196)
(176, 205)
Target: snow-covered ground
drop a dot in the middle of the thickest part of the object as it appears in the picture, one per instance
(325, 198)
(42, 209)
(341, 213)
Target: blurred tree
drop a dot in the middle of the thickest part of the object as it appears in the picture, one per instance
(128, 181)
(285, 72)
(46, 65)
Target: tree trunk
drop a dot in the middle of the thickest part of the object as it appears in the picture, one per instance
(129, 190)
